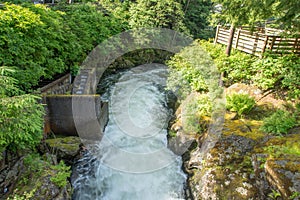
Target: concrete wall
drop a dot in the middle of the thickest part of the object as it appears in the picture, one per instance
(83, 115)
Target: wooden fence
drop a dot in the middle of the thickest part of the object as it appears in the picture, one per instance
(62, 85)
(258, 41)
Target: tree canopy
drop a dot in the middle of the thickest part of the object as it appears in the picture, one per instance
(152, 13)
(196, 17)
(250, 12)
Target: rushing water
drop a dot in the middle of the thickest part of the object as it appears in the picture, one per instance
(133, 161)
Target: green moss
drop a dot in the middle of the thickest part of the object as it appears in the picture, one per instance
(36, 177)
(283, 145)
(69, 144)
(243, 127)
(172, 133)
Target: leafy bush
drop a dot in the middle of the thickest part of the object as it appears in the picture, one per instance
(21, 116)
(196, 18)
(279, 123)
(18, 25)
(194, 110)
(21, 121)
(150, 14)
(7, 83)
(270, 72)
(63, 173)
(193, 69)
(291, 75)
(239, 68)
(119, 10)
(216, 52)
(184, 77)
(240, 103)
(41, 41)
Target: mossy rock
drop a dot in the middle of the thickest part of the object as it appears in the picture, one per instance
(281, 164)
(226, 172)
(277, 147)
(35, 182)
(284, 175)
(65, 148)
(243, 127)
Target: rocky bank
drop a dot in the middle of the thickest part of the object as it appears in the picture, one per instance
(245, 163)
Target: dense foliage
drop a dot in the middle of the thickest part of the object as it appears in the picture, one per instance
(38, 42)
(184, 77)
(240, 103)
(41, 42)
(251, 12)
(272, 72)
(21, 116)
(278, 73)
(280, 122)
(164, 14)
(196, 17)
(195, 110)
(181, 15)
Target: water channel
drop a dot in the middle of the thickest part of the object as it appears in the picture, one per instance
(133, 161)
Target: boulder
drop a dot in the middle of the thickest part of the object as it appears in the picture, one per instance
(283, 174)
(261, 97)
(241, 88)
(66, 148)
(33, 180)
(225, 172)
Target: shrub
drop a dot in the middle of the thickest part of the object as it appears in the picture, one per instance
(184, 77)
(291, 75)
(40, 41)
(163, 14)
(279, 123)
(270, 72)
(190, 73)
(21, 121)
(240, 103)
(239, 68)
(63, 173)
(196, 18)
(21, 116)
(216, 52)
(194, 109)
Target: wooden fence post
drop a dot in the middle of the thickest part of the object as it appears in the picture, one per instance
(265, 45)
(237, 38)
(272, 44)
(295, 45)
(255, 43)
(217, 34)
(230, 39)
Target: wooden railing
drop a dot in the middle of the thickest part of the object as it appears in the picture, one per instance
(258, 41)
(62, 85)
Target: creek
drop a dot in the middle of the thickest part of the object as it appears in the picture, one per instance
(132, 161)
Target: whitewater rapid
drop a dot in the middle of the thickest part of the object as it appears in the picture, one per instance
(132, 161)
